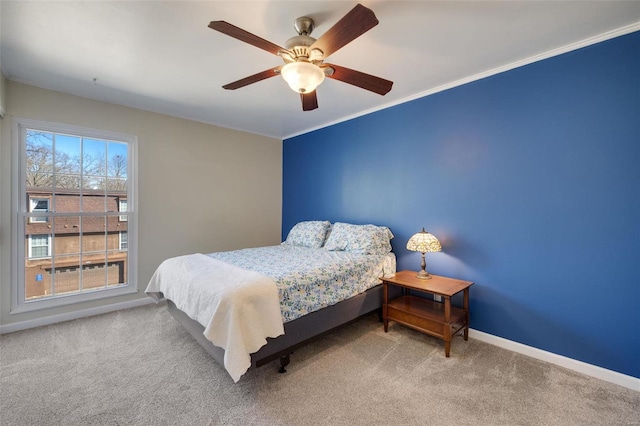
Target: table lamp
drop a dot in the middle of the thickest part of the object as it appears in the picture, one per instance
(424, 242)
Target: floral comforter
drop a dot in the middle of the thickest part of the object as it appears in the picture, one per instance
(310, 279)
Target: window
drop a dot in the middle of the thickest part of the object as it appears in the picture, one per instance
(122, 206)
(38, 205)
(39, 246)
(123, 240)
(74, 244)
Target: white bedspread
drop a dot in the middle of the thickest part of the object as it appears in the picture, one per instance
(238, 308)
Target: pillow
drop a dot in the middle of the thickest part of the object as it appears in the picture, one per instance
(308, 234)
(362, 239)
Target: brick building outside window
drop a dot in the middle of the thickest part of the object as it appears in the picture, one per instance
(69, 246)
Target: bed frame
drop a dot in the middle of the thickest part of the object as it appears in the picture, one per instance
(297, 332)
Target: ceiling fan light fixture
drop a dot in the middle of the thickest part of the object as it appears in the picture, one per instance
(304, 56)
(302, 77)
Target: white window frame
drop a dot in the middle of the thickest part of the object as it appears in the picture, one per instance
(30, 254)
(126, 240)
(122, 202)
(20, 209)
(39, 219)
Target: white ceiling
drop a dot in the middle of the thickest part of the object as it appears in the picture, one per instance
(161, 56)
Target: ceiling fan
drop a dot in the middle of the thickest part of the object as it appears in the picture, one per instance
(304, 56)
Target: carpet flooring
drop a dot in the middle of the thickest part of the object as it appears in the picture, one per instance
(139, 367)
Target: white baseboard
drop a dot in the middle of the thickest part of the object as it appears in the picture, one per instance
(38, 322)
(630, 382)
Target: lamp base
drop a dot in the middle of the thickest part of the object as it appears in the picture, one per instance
(424, 275)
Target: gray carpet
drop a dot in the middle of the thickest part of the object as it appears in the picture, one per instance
(139, 367)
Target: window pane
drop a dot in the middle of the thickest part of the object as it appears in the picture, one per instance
(38, 282)
(66, 276)
(117, 269)
(39, 250)
(94, 234)
(94, 200)
(67, 199)
(39, 240)
(65, 182)
(66, 239)
(94, 157)
(67, 160)
(40, 205)
(117, 184)
(94, 271)
(39, 159)
(117, 161)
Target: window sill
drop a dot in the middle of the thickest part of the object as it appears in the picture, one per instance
(53, 302)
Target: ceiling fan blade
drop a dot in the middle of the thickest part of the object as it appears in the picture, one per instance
(247, 37)
(355, 23)
(365, 81)
(309, 101)
(271, 72)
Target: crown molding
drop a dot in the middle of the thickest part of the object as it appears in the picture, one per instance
(628, 29)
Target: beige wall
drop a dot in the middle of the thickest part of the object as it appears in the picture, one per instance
(201, 188)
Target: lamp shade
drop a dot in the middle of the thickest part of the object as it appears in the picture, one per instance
(424, 242)
(302, 77)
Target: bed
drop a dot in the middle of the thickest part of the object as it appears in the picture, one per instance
(252, 306)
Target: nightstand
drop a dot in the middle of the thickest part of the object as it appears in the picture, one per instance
(438, 319)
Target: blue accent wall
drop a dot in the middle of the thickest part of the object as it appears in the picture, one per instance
(529, 178)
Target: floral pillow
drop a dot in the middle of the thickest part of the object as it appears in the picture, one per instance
(362, 239)
(308, 234)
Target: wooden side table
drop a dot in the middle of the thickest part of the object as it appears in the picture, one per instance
(437, 319)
